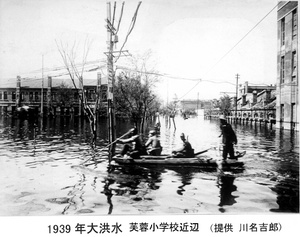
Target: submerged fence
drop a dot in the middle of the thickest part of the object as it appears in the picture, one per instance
(261, 117)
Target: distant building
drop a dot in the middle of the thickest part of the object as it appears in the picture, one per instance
(190, 105)
(55, 96)
(255, 96)
(287, 106)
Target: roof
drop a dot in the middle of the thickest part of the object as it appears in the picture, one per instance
(56, 82)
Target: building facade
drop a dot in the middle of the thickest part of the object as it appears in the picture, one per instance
(287, 106)
(55, 97)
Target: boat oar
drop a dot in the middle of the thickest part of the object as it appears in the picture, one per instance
(200, 152)
(108, 145)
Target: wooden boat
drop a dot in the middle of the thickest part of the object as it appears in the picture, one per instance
(167, 160)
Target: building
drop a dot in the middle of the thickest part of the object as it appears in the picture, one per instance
(287, 105)
(55, 96)
(255, 104)
(252, 95)
(192, 105)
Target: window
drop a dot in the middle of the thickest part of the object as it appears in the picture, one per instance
(76, 96)
(30, 96)
(0, 95)
(295, 21)
(283, 31)
(294, 66)
(293, 111)
(282, 112)
(53, 96)
(91, 95)
(36, 96)
(282, 70)
(5, 95)
(13, 95)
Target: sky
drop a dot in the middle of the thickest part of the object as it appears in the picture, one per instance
(211, 40)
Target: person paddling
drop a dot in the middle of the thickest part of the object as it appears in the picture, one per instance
(185, 151)
(136, 149)
(228, 140)
(153, 144)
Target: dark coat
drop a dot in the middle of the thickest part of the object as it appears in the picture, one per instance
(228, 134)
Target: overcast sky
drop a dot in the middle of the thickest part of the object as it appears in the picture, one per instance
(190, 39)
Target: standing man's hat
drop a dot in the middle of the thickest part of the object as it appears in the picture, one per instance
(222, 117)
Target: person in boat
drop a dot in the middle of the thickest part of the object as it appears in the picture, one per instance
(153, 144)
(157, 127)
(136, 149)
(185, 151)
(228, 140)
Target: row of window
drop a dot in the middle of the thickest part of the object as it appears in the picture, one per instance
(4, 95)
(293, 65)
(294, 53)
(293, 112)
(35, 96)
(294, 27)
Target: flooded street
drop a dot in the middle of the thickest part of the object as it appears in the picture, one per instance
(41, 172)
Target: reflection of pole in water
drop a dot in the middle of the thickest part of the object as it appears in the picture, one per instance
(108, 193)
(77, 191)
(225, 183)
(107, 190)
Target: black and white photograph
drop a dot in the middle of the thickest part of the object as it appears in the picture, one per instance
(155, 108)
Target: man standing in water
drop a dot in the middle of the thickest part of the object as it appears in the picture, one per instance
(229, 138)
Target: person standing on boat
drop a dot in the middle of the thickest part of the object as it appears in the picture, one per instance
(136, 148)
(185, 151)
(153, 144)
(229, 138)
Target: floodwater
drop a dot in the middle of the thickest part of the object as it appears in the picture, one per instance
(41, 172)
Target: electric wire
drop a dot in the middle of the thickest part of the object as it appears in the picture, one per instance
(232, 48)
(132, 24)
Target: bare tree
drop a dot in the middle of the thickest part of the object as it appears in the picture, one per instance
(75, 71)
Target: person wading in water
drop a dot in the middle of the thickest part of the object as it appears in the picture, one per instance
(228, 140)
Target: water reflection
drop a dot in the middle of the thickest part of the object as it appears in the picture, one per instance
(287, 167)
(133, 182)
(186, 177)
(225, 183)
(107, 191)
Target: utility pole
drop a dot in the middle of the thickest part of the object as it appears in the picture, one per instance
(197, 103)
(112, 38)
(110, 82)
(236, 95)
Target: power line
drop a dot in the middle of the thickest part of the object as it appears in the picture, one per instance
(232, 48)
(132, 24)
(58, 68)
